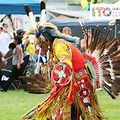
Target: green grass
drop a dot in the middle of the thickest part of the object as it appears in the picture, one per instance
(110, 107)
(14, 104)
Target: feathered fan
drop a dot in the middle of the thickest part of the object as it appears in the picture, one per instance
(37, 83)
(106, 54)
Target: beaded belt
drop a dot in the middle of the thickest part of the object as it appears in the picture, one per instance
(80, 73)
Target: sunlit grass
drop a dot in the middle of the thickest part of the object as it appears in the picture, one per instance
(14, 104)
(110, 107)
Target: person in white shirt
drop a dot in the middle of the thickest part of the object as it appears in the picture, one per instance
(5, 39)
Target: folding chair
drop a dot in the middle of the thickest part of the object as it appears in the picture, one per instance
(5, 76)
(16, 84)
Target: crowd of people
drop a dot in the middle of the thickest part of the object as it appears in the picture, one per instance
(15, 54)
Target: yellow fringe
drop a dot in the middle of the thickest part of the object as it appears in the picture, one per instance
(53, 105)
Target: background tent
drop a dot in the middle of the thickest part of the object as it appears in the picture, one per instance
(17, 6)
(74, 24)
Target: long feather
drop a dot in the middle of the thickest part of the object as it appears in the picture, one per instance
(116, 64)
(95, 38)
(110, 93)
(92, 40)
(115, 53)
(82, 26)
(43, 13)
(116, 86)
(116, 67)
(27, 9)
(112, 48)
(42, 5)
(116, 71)
(110, 42)
(103, 46)
(106, 71)
(103, 40)
(107, 78)
(116, 60)
(109, 37)
(106, 64)
(107, 87)
(30, 15)
(103, 59)
(100, 36)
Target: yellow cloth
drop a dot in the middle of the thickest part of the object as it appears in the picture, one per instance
(63, 52)
(31, 49)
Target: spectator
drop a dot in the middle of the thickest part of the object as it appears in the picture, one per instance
(20, 32)
(67, 31)
(8, 56)
(17, 62)
(5, 39)
(5, 72)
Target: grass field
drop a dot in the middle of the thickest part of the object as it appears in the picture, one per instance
(14, 104)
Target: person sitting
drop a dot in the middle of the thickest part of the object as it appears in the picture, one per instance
(17, 63)
(6, 70)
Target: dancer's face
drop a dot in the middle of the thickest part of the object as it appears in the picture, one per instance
(44, 46)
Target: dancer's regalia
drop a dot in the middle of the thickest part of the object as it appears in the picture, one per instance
(103, 55)
(73, 94)
(72, 86)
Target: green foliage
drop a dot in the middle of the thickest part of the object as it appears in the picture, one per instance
(14, 104)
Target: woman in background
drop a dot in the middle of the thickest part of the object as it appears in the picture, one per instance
(17, 62)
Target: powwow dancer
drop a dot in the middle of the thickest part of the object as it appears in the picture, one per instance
(73, 94)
